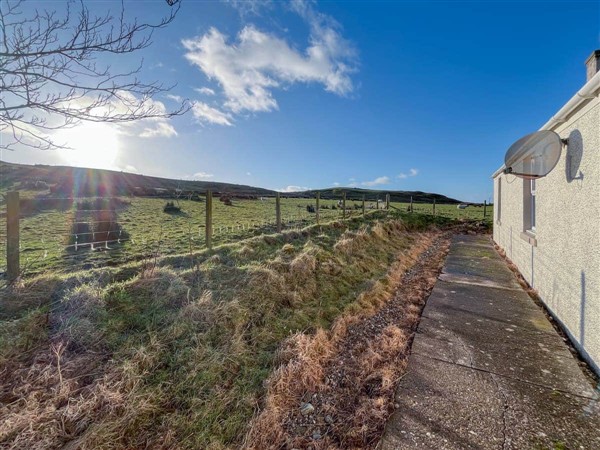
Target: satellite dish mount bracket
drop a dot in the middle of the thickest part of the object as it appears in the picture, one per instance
(509, 170)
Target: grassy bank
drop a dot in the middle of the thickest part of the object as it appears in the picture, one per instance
(174, 353)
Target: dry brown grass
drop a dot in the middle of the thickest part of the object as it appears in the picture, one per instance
(59, 383)
(349, 379)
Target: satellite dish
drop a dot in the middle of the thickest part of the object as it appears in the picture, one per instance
(534, 155)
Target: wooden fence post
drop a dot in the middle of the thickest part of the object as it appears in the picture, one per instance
(411, 204)
(12, 235)
(434, 207)
(484, 208)
(344, 205)
(278, 211)
(387, 201)
(363, 206)
(209, 228)
(317, 207)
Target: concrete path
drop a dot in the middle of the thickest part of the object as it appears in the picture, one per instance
(487, 369)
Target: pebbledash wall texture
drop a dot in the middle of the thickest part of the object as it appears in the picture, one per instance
(561, 258)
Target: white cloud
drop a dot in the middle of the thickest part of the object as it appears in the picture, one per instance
(120, 107)
(145, 128)
(377, 181)
(205, 91)
(250, 68)
(248, 173)
(411, 173)
(202, 175)
(176, 98)
(130, 168)
(205, 113)
(249, 7)
(161, 129)
(335, 183)
(294, 189)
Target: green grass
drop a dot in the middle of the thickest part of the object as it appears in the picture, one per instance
(177, 354)
(449, 211)
(147, 230)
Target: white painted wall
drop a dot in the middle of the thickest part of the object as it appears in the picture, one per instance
(563, 265)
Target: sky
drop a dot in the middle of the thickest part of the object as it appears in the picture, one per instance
(389, 95)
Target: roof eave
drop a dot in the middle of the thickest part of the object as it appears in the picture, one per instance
(587, 92)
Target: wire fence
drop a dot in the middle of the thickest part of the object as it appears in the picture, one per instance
(78, 235)
(75, 236)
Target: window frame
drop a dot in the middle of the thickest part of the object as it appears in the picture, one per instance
(532, 206)
(499, 202)
(529, 206)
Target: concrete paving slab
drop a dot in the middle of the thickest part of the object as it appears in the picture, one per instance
(487, 368)
(487, 271)
(447, 406)
(472, 240)
(512, 307)
(474, 260)
(538, 418)
(538, 358)
(474, 251)
(441, 406)
(476, 280)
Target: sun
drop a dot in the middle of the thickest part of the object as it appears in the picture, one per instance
(93, 145)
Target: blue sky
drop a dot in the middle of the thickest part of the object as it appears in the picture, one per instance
(394, 95)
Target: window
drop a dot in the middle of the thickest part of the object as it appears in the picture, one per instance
(532, 207)
(499, 201)
(529, 197)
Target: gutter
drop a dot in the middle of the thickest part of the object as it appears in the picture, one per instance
(587, 92)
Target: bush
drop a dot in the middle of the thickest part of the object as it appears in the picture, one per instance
(226, 199)
(171, 208)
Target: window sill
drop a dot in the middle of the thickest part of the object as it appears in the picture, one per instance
(529, 237)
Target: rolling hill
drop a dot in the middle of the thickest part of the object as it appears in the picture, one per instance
(66, 181)
(79, 182)
(395, 196)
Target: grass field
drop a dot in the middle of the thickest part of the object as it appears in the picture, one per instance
(449, 211)
(147, 231)
(175, 353)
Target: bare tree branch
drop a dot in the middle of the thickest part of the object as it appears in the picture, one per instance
(51, 76)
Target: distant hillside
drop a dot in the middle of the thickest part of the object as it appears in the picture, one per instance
(370, 194)
(78, 182)
(65, 181)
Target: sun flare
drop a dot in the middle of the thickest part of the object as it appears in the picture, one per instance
(93, 145)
